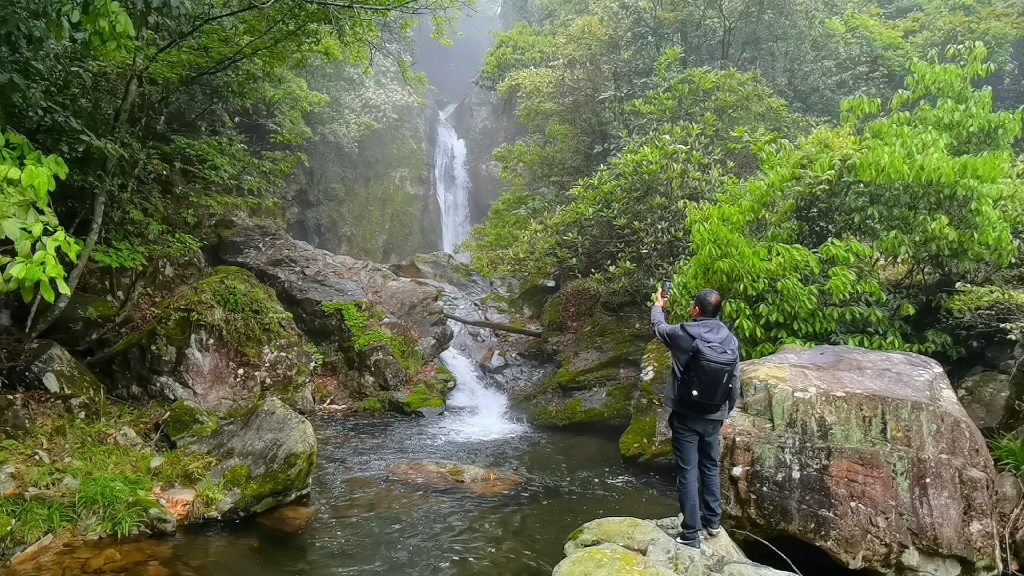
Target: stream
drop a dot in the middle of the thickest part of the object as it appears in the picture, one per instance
(367, 522)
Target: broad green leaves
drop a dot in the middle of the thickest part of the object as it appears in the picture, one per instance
(847, 232)
(33, 246)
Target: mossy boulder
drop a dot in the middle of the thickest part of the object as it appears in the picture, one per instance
(609, 560)
(261, 460)
(83, 322)
(598, 375)
(648, 439)
(221, 343)
(48, 367)
(633, 546)
(423, 402)
(187, 421)
(867, 455)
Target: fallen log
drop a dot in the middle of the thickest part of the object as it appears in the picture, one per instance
(495, 326)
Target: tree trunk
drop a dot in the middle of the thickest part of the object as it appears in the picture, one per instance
(495, 326)
(99, 203)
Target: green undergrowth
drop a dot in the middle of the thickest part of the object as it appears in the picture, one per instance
(229, 301)
(1008, 452)
(185, 467)
(68, 477)
(362, 320)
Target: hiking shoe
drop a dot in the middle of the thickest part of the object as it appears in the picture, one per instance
(695, 543)
(714, 531)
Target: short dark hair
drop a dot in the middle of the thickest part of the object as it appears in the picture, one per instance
(709, 302)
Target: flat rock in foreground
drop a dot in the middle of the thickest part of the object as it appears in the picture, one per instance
(621, 546)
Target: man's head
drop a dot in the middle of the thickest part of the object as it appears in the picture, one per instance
(707, 304)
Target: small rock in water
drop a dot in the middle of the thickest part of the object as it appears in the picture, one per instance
(108, 556)
(477, 478)
(288, 518)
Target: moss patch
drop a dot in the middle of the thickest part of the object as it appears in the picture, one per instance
(289, 477)
(638, 441)
(236, 476)
(362, 318)
(228, 301)
(371, 405)
(421, 398)
(616, 407)
(187, 420)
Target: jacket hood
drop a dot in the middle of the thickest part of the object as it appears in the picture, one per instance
(710, 330)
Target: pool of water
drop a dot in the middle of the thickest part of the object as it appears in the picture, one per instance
(368, 522)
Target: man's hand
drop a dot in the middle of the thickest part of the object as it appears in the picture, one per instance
(725, 427)
(660, 299)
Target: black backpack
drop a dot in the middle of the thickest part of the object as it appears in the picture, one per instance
(706, 382)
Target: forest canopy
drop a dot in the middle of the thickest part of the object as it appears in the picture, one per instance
(130, 126)
(838, 170)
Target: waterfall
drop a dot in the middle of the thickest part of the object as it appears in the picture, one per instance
(475, 411)
(451, 182)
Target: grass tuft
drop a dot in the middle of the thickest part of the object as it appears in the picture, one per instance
(1008, 452)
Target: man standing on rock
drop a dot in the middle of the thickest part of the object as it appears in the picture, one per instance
(702, 391)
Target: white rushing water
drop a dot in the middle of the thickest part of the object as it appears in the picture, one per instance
(475, 412)
(451, 181)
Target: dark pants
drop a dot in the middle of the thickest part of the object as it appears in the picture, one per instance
(695, 444)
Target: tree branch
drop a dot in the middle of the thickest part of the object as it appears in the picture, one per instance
(495, 326)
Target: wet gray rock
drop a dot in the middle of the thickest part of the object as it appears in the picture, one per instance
(127, 438)
(987, 399)
(48, 367)
(265, 459)
(306, 278)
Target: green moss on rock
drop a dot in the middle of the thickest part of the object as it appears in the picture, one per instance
(228, 301)
(236, 476)
(6, 524)
(290, 477)
(614, 407)
(421, 398)
(640, 442)
(371, 405)
(186, 421)
(551, 314)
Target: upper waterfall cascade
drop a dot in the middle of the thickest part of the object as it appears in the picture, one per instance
(451, 184)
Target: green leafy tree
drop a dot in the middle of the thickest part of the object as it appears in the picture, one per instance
(34, 246)
(855, 227)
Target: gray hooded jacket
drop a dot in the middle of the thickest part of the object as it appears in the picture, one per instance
(679, 340)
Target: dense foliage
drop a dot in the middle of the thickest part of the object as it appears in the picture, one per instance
(168, 113)
(853, 226)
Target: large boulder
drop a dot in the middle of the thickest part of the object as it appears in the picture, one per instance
(867, 455)
(309, 281)
(616, 546)
(599, 371)
(222, 343)
(261, 460)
